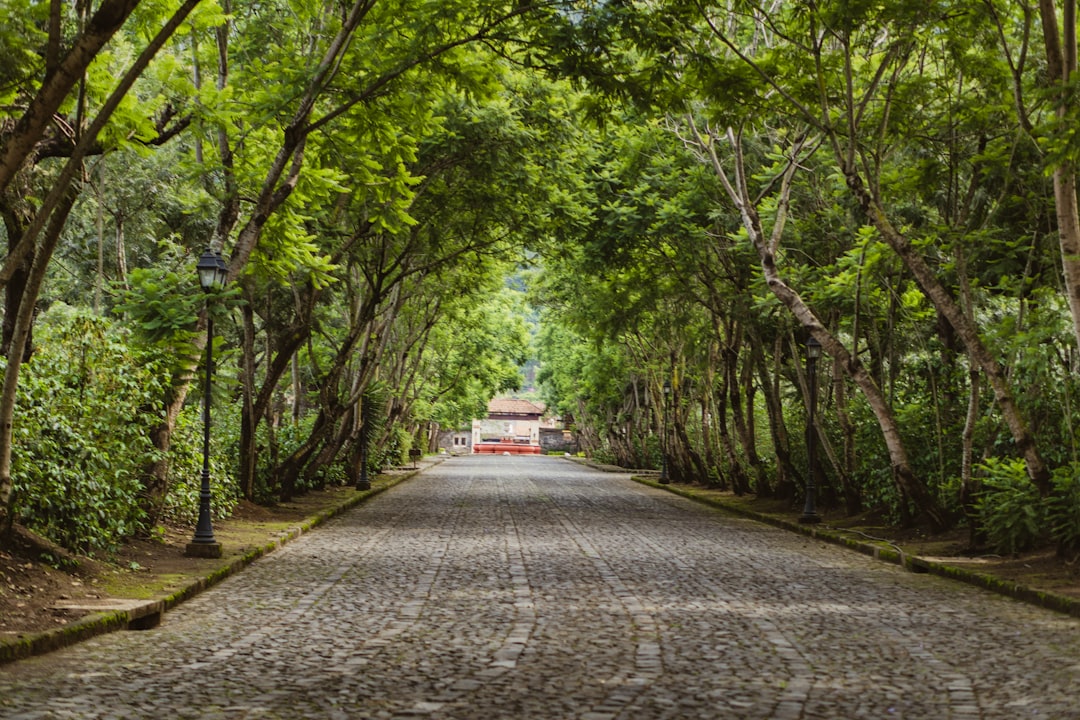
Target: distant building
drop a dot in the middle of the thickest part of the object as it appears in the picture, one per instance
(512, 425)
(509, 420)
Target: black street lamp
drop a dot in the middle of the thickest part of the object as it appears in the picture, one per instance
(664, 478)
(813, 352)
(212, 275)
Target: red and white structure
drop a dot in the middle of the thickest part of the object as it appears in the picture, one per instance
(512, 426)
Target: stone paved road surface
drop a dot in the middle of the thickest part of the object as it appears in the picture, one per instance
(534, 588)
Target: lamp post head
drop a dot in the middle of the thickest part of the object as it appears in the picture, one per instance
(813, 348)
(212, 270)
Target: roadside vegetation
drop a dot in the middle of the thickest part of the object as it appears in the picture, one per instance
(689, 192)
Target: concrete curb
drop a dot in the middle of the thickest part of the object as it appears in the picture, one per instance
(146, 615)
(885, 552)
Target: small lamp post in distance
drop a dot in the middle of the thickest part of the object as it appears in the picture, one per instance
(212, 275)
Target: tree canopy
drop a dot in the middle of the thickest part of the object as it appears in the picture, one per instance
(691, 191)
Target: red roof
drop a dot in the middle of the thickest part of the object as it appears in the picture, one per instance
(514, 406)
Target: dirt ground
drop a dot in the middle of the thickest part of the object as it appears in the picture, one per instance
(32, 592)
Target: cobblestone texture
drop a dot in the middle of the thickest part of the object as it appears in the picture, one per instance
(516, 587)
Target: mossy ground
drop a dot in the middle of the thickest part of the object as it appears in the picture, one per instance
(1041, 570)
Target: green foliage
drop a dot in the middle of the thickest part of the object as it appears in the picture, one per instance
(1010, 511)
(431, 172)
(21, 39)
(161, 306)
(1015, 517)
(1063, 509)
(185, 468)
(394, 450)
(387, 444)
(86, 401)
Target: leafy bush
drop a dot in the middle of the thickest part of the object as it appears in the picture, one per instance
(161, 307)
(86, 400)
(604, 455)
(395, 450)
(1011, 513)
(185, 472)
(1063, 509)
(274, 447)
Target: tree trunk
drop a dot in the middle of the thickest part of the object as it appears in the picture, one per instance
(745, 425)
(967, 331)
(786, 472)
(740, 482)
(1061, 64)
(30, 128)
(249, 418)
(969, 487)
(852, 495)
(766, 246)
(709, 410)
(15, 290)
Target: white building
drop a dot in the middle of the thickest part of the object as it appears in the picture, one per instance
(509, 420)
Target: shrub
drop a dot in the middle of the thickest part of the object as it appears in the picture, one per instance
(185, 472)
(395, 449)
(1063, 509)
(1011, 513)
(86, 399)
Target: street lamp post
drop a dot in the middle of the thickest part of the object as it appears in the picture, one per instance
(212, 275)
(813, 352)
(665, 479)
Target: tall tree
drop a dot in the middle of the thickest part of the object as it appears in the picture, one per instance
(25, 257)
(861, 64)
(1059, 37)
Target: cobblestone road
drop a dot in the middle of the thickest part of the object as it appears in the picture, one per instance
(534, 588)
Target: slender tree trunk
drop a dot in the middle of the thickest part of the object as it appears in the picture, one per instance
(739, 480)
(966, 330)
(1061, 57)
(249, 419)
(709, 408)
(969, 487)
(909, 484)
(297, 406)
(99, 277)
(786, 472)
(15, 290)
(121, 254)
(852, 495)
(746, 426)
(727, 479)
